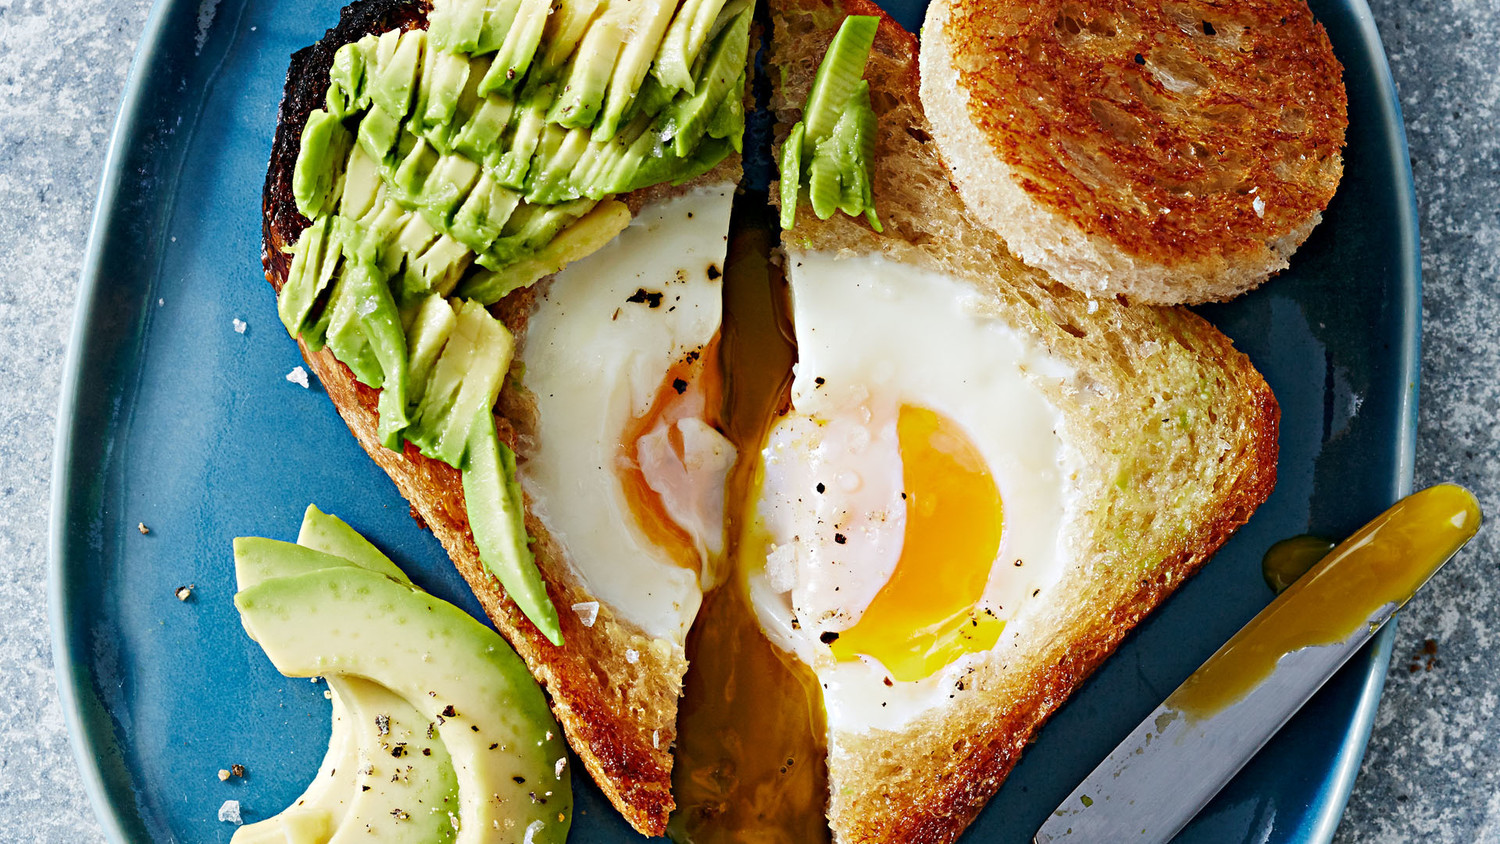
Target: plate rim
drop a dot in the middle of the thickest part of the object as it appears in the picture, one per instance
(70, 676)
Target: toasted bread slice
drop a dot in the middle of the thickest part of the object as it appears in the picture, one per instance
(1172, 153)
(613, 687)
(1177, 430)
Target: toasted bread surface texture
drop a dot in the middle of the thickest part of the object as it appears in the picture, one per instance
(619, 712)
(1168, 152)
(1177, 431)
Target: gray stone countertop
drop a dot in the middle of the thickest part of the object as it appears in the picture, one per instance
(1430, 773)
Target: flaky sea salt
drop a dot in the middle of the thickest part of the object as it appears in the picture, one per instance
(1259, 205)
(298, 376)
(240, 326)
(588, 612)
(632, 656)
(561, 764)
(230, 812)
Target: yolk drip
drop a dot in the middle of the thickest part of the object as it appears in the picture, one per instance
(750, 745)
(926, 615)
(691, 388)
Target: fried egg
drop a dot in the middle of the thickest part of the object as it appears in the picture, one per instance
(627, 468)
(917, 493)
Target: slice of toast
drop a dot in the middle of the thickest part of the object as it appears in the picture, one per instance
(613, 688)
(1171, 153)
(1178, 430)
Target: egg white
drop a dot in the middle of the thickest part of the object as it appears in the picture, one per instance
(873, 335)
(594, 361)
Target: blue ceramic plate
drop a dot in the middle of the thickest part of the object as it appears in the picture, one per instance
(173, 419)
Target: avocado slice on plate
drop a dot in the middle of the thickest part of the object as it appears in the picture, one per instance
(457, 673)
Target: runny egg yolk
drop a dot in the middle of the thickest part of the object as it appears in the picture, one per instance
(927, 614)
(691, 389)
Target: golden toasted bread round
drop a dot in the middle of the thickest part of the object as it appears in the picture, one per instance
(1171, 151)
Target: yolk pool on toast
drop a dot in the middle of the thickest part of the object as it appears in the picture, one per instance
(925, 616)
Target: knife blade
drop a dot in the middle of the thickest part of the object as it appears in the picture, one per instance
(1190, 746)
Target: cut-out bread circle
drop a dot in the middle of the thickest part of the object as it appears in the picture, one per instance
(1169, 152)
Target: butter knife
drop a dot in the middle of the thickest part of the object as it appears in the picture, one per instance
(1191, 745)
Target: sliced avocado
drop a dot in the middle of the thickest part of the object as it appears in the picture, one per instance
(415, 236)
(465, 380)
(377, 237)
(623, 168)
(445, 136)
(557, 152)
(399, 57)
(511, 165)
(361, 788)
(670, 168)
(593, 181)
(584, 237)
(305, 279)
(410, 175)
(454, 26)
(443, 83)
(447, 185)
(313, 817)
(438, 268)
(484, 213)
(314, 333)
(382, 328)
(516, 52)
(682, 41)
(728, 122)
(853, 140)
(790, 174)
(346, 82)
(481, 134)
(531, 228)
(841, 70)
(690, 117)
(406, 789)
(257, 560)
(823, 187)
(320, 159)
(346, 338)
(491, 716)
(497, 515)
(331, 535)
(567, 29)
(378, 133)
(498, 17)
(425, 338)
(645, 29)
(587, 82)
(361, 184)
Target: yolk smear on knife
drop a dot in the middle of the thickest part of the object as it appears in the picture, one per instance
(1383, 563)
(927, 614)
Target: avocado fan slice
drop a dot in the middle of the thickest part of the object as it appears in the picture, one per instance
(506, 747)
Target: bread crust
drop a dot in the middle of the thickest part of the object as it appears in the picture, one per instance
(619, 715)
(1170, 152)
(1142, 371)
